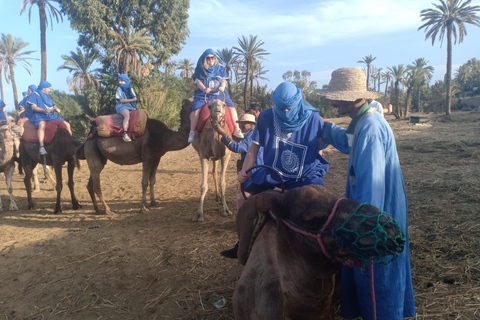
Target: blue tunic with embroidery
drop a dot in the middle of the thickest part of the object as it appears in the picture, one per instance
(375, 176)
(294, 155)
(130, 106)
(37, 117)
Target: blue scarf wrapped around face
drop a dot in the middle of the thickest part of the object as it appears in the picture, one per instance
(202, 73)
(126, 87)
(289, 96)
(47, 100)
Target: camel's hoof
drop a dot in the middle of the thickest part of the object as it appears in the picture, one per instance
(31, 207)
(12, 208)
(36, 190)
(76, 206)
(102, 213)
(198, 218)
(154, 204)
(144, 209)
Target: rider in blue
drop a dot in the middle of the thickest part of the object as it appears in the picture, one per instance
(211, 79)
(126, 102)
(43, 108)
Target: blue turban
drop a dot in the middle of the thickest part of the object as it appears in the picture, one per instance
(32, 87)
(202, 73)
(43, 85)
(289, 96)
(25, 93)
(2, 104)
(126, 87)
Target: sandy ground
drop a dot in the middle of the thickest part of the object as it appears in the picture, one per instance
(160, 265)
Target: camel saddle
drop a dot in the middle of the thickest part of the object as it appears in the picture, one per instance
(112, 125)
(30, 134)
(205, 114)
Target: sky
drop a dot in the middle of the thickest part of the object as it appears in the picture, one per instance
(319, 36)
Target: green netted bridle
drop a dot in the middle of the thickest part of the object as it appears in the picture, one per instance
(377, 252)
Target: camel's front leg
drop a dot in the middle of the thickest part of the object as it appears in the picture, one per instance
(223, 186)
(71, 184)
(153, 174)
(35, 179)
(27, 169)
(8, 178)
(203, 191)
(146, 175)
(215, 180)
(58, 187)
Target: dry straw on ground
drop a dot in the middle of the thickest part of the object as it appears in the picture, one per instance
(160, 265)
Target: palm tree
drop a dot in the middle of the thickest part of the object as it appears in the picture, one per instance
(398, 74)
(412, 79)
(228, 58)
(367, 60)
(80, 63)
(12, 48)
(187, 68)
(463, 75)
(2, 63)
(449, 16)
(53, 12)
(249, 51)
(169, 65)
(387, 76)
(423, 73)
(131, 46)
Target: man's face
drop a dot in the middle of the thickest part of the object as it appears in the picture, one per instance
(254, 112)
(29, 91)
(343, 107)
(47, 90)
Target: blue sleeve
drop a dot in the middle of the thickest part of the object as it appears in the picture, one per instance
(368, 162)
(119, 94)
(337, 137)
(240, 147)
(222, 72)
(258, 136)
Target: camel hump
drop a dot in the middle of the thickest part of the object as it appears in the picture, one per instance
(205, 114)
(112, 125)
(30, 134)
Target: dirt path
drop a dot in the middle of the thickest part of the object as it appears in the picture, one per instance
(160, 265)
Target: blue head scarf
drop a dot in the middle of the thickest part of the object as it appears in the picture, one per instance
(2, 104)
(202, 73)
(287, 96)
(45, 97)
(32, 87)
(127, 86)
(25, 93)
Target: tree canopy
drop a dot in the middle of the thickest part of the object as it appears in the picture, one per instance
(165, 21)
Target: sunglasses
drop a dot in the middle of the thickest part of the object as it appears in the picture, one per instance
(210, 57)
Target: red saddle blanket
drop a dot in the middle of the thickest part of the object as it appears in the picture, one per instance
(205, 114)
(112, 125)
(30, 134)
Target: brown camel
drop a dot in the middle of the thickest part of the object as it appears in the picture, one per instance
(290, 273)
(61, 150)
(209, 147)
(157, 140)
(7, 163)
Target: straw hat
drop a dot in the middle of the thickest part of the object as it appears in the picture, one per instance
(247, 118)
(348, 84)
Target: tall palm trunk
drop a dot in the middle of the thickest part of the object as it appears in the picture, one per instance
(386, 87)
(43, 39)
(1, 82)
(245, 91)
(448, 80)
(397, 114)
(14, 84)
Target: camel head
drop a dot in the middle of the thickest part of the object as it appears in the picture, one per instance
(217, 112)
(345, 231)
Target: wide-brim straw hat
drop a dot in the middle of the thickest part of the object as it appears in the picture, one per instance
(348, 84)
(247, 117)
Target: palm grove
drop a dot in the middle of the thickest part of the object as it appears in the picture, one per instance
(141, 37)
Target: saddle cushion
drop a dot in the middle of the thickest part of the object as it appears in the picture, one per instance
(112, 125)
(30, 134)
(205, 114)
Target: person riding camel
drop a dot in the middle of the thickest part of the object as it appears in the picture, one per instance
(126, 102)
(211, 79)
(43, 108)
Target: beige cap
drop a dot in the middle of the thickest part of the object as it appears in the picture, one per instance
(247, 117)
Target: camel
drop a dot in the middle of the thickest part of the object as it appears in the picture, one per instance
(61, 150)
(7, 162)
(209, 147)
(157, 140)
(290, 272)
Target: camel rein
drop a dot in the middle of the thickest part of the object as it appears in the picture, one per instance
(317, 235)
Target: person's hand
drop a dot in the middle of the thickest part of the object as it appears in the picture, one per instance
(236, 139)
(242, 176)
(221, 89)
(219, 130)
(56, 109)
(208, 90)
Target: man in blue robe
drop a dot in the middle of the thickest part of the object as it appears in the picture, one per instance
(374, 176)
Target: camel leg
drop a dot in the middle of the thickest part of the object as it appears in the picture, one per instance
(153, 174)
(35, 179)
(28, 170)
(96, 163)
(92, 195)
(146, 165)
(203, 191)
(58, 187)
(8, 178)
(71, 184)
(215, 180)
(224, 163)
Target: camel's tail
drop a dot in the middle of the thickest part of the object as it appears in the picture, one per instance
(79, 155)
